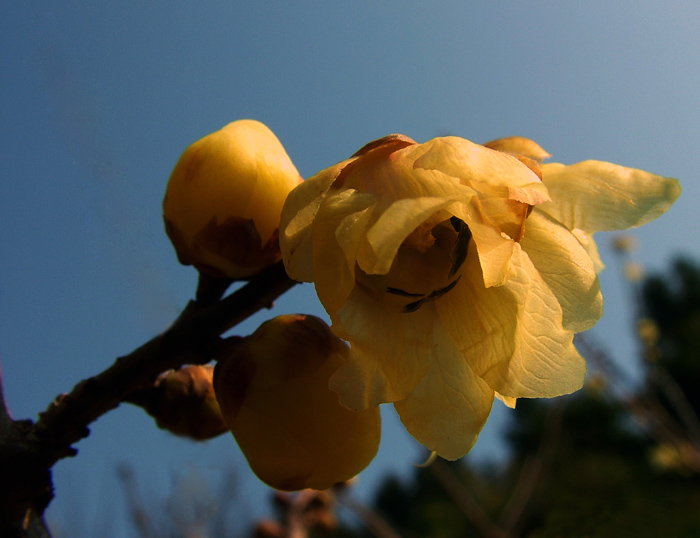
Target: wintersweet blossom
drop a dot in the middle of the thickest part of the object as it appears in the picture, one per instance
(273, 392)
(459, 272)
(224, 197)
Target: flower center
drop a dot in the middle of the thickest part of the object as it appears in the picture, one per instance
(428, 265)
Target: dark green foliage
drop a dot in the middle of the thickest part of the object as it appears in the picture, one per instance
(673, 302)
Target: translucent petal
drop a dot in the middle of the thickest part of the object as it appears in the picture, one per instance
(390, 351)
(567, 269)
(588, 243)
(597, 196)
(512, 334)
(338, 230)
(482, 321)
(449, 407)
(485, 170)
(507, 400)
(298, 213)
(545, 362)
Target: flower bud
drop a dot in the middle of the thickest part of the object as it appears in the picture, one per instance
(273, 392)
(183, 402)
(223, 202)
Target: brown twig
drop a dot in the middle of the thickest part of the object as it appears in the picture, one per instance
(31, 450)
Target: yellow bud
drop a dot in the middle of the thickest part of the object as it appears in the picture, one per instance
(274, 395)
(224, 199)
(183, 402)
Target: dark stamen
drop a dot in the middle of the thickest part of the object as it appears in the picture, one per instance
(412, 307)
(402, 293)
(461, 247)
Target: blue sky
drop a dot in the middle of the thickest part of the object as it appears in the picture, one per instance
(98, 100)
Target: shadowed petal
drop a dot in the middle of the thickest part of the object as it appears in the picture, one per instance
(338, 230)
(391, 351)
(494, 247)
(298, 213)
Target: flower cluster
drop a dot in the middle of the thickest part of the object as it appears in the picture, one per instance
(456, 272)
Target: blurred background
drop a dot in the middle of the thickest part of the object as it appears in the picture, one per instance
(97, 101)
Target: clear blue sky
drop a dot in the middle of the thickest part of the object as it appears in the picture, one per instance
(98, 100)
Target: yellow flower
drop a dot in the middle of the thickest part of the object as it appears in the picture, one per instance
(457, 274)
(274, 395)
(223, 201)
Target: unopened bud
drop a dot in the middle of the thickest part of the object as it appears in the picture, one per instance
(183, 402)
(274, 395)
(224, 199)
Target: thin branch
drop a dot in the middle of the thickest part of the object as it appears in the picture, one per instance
(29, 451)
(192, 339)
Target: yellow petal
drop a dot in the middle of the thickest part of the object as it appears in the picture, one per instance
(512, 334)
(507, 400)
(545, 362)
(389, 174)
(485, 170)
(521, 146)
(298, 213)
(481, 320)
(567, 269)
(390, 351)
(588, 243)
(338, 229)
(449, 407)
(596, 196)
